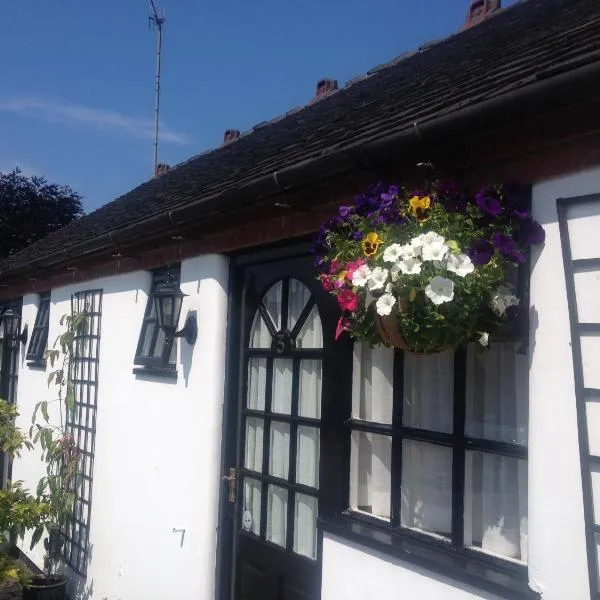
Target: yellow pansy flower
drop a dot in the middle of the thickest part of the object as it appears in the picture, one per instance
(370, 243)
(419, 207)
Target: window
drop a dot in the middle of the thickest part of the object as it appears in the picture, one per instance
(39, 335)
(155, 352)
(439, 446)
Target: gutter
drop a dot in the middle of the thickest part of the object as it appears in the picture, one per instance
(550, 86)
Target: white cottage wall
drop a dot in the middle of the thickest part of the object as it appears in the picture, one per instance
(557, 549)
(156, 471)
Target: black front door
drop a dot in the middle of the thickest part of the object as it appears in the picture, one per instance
(286, 323)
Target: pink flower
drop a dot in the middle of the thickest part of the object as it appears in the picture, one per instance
(334, 267)
(326, 283)
(352, 266)
(343, 325)
(348, 300)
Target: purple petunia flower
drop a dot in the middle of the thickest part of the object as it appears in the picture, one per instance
(508, 248)
(487, 200)
(387, 198)
(481, 252)
(345, 211)
(531, 233)
(357, 235)
(516, 200)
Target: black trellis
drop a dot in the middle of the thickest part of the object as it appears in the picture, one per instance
(589, 462)
(81, 424)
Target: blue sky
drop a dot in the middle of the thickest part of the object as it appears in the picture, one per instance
(77, 96)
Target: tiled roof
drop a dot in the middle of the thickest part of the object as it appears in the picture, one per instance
(511, 50)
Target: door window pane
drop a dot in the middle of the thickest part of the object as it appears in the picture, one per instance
(309, 397)
(305, 527)
(307, 456)
(254, 444)
(299, 297)
(372, 383)
(277, 514)
(428, 391)
(496, 504)
(272, 302)
(279, 451)
(257, 382)
(370, 473)
(282, 386)
(260, 336)
(251, 508)
(311, 334)
(426, 487)
(497, 394)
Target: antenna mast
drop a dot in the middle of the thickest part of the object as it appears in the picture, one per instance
(157, 22)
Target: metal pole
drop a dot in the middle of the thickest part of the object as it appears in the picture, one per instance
(159, 22)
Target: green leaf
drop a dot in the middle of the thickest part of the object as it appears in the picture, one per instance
(44, 407)
(37, 534)
(35, 412)
(51, 377)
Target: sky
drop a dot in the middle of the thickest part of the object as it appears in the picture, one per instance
(77, 83)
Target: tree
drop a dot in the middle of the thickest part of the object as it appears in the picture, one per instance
(31, 208)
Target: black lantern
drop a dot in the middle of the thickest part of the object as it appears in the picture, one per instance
(168, 299)
(12, 324)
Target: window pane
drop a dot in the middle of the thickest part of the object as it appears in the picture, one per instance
(260, 336)
(279, 450)
(160, 343)
(311, 334)
(277, 514)
(147, 333)
(372, 383)
(272, 302)
(307, 456)
(428, 391)
(496, 504)
(254, 444)
(257, 381)
(309, 399)
(282, 386)
(251, 509)
(370, 473)
(305, 526)
(426, 487)
(497, 394)
(299, 296)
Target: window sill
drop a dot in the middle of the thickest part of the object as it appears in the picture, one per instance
(160, 372)
(36, 363)
(468, 566)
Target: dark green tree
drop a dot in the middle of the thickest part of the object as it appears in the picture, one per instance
(31, 208)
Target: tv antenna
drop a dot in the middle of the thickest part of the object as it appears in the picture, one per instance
(157, 21)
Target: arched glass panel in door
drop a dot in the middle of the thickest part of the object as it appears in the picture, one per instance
(282, 417)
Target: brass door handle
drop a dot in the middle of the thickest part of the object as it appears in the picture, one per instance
(231, 479)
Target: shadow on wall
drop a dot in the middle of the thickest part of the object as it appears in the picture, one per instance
(186, 351)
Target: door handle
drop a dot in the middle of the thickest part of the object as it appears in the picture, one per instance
(231, 479)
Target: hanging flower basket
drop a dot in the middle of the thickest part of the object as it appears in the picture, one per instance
(427, 270)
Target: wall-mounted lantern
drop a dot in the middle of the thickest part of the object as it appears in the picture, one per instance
(12, 325)
(168, 299)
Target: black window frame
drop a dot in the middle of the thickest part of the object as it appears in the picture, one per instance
(38, 342)
(502, 576)
(162, 364)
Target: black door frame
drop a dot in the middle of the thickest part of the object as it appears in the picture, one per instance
(332, 486)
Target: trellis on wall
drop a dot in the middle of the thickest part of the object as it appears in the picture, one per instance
(579, 222)
(81, 423)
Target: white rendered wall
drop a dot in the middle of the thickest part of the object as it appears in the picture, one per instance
(557, 549)
(157, 442)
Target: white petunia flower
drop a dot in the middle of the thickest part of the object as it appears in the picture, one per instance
(410, 266)
(431, 237)
(417, 243)
(409, 251)
(377, 279)
(392, 253)
(440, 290)
(388, 288)
(484, 339)
(385, 304)
(460, 264)
(361, 276)
(502, 299)
(435, 250)
(395, 272)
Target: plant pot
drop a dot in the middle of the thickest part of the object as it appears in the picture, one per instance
(11, 591)
(44, 588)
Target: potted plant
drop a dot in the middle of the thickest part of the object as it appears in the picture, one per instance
(426, 270)
(19, 510)
(58, 488)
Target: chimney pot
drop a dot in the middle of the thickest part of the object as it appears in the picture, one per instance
(325, 87)
(161, 168)
(231, 135)
(481, 10)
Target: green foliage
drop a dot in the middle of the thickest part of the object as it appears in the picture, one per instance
(13, 571)
(12, 439)
(19, 512)
(58, 488)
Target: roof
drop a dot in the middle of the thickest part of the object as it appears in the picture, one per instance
(511, 50)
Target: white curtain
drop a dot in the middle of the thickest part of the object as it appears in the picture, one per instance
(307, 456)
(311, 334)
(309, 394)
(254, 444)
(279, 451)
(257, 381)
(496, 486)
(281, 401)
(251, 512)
(277, 514)
(305, 528)
(371, 454)
(299, 296)
(260, 336)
